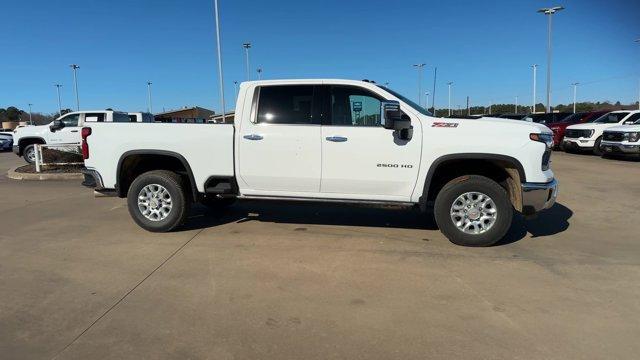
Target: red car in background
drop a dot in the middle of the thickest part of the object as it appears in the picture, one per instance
(559, 127)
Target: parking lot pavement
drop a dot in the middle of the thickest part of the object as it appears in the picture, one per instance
(79, 280)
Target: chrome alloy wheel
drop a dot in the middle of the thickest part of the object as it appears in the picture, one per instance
(31, 154)
(473, 213)
(154, 202)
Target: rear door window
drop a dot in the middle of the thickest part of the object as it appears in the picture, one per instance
(286, 104)
(94, 117)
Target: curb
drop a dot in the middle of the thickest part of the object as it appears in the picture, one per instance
(12, 174)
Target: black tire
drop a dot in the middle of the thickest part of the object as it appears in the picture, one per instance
(218, 204)
(473, 183)
(180, 200)
(26, 154)
(596, 147)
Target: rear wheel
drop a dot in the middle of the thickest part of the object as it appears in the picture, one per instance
(157, 200)
(29, 154)
(596, 148)
(473, 211)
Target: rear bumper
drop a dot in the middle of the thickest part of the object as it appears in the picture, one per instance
(538, 196)
(617, 148)
(92, 179)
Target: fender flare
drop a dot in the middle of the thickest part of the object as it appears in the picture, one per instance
(26, 138)
(185, 163)
(466, 156)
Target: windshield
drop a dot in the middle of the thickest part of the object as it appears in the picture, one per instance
(573, 118)
(611, 118)
(415, 106)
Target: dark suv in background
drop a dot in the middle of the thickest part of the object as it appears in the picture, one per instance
(559, 127)
(547, 118)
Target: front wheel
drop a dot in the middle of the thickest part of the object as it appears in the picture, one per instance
(29, 154)
(596, 147)
(473, 210)
(157, 200)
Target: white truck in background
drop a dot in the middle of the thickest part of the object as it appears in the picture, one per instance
(622, 140)
(65, 130)
(328, 140)
(588, 136)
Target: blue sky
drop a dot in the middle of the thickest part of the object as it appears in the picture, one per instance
(484, 47)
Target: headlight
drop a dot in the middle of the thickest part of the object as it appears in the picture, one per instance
(547, 139)
(633, 136)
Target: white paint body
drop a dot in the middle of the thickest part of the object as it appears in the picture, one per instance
(297, 161)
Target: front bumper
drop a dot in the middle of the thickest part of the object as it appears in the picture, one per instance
(538, 196)
(617, 148)
(581, 143)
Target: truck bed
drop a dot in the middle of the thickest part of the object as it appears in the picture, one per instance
(207, 148)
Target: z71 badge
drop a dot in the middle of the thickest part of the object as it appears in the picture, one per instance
(444, 124)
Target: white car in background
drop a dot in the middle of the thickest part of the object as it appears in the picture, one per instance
(64, 130)
(588, 136)
(622, 140)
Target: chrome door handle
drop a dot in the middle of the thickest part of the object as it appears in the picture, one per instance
(74, 130)
(253, 137)
(336, 138)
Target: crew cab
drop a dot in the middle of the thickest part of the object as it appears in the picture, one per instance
(588, 136)
(64, 130)
(326, 140)
(622, 140)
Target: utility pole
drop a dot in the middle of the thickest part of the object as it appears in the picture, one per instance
(246, 47)
(575, 89)
(426, 103)
(516, 104)
(549, 12)
(449, 84)
(235, 86)
(149, 108)
(638, 41)
(219, 48)
(30, 119)
(75, 68)
(419, 67)
(535, 68)
(259, 70)
(468, 108)
(58, 86)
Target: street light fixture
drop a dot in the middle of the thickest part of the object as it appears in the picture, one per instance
(549, 12)
(58, 86)
(449, 84)
(75, 68)
(419, 68)
(150, 108)
(246, 47)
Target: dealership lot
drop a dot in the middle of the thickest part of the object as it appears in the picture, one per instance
(80, 280)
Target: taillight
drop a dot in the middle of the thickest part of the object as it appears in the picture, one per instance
(86, 131)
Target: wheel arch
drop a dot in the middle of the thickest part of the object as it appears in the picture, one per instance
(442, 170)
(29, 140)
(124, 178)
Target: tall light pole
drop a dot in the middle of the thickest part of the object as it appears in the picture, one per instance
(426, 103)
(235, 87)
(30, 119)
(246, 47)
(150, 108)
(419, 68)
(433, 93)
(575, 89)
(638, 41)
(535, 76)
(449, 84)
(219, 48)
(549, 12)
(516, 104)
(75, 68)
(58, 86)
(259, 71)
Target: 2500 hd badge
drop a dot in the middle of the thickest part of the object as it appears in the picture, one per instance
(406, 166)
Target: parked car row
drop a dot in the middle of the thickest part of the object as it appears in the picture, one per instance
(66, 129)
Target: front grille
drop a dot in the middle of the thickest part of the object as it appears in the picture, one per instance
(577, 133)
(613, 136)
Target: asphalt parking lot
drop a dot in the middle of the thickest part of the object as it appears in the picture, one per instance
(79, 280)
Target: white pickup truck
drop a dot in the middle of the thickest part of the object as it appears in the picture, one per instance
(330, 141)
(63, 130)
(622, 140)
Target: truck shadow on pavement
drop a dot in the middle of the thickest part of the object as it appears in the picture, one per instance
(547, 223)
